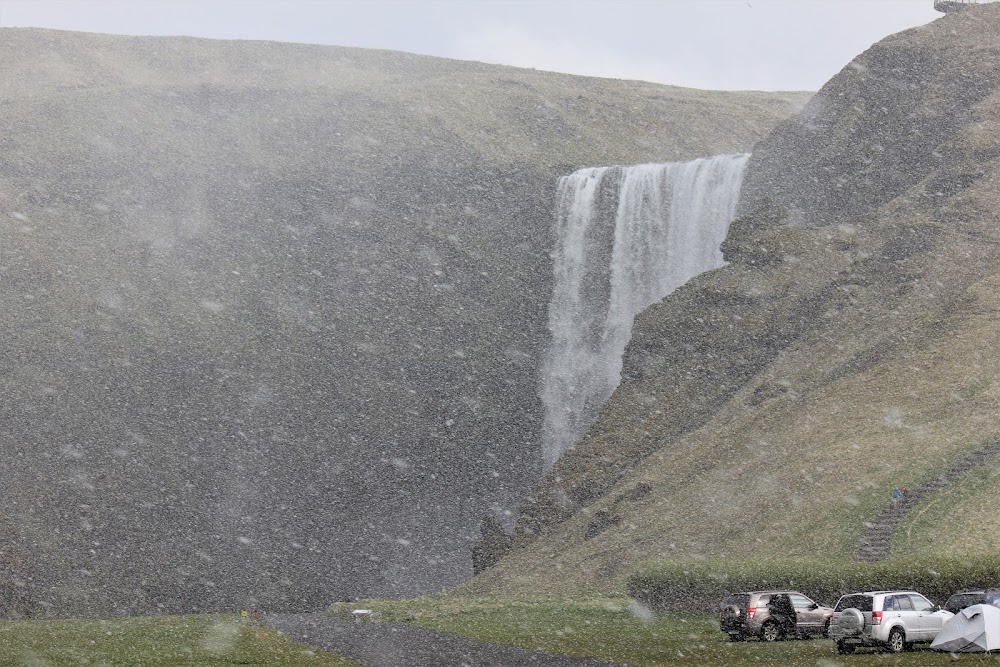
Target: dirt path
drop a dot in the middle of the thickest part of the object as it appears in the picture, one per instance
(388, 645)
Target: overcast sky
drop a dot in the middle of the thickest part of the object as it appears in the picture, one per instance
(727, 44)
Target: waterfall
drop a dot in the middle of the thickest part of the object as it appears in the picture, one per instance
(625, 238)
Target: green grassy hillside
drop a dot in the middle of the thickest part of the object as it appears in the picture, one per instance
(768, 408)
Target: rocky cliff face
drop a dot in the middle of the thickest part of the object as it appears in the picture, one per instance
(875, 130)
(272, 313)
(770, 405)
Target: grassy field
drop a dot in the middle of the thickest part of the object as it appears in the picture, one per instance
(931, 526)
(174, 641)
(615, 630)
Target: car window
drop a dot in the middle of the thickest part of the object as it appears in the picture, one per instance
(779, 601)
(740, 600)
(859, 602)
(763, 600)
(903, 603)
(992, 596)
(920, 603)
(801, 601)
(890, 604)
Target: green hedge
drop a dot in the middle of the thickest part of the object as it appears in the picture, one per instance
(701, 584)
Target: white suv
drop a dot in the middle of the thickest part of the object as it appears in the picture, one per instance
(894, 619)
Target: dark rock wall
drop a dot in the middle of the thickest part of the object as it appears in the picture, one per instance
(272, 313)
(875, 129)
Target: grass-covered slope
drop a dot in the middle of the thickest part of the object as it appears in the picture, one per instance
(768, 408)
(156, 641)
(272, 312)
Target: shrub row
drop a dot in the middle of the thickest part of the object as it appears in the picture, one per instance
(701, 584)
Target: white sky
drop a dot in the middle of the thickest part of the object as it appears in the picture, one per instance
(726, 44)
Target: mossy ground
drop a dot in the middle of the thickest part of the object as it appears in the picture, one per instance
(163, 641)
(960, 519)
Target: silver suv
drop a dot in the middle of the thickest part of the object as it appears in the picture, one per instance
(893, 619)
(743, 615)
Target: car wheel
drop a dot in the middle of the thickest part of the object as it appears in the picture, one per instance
(770, 632)
(897, 641)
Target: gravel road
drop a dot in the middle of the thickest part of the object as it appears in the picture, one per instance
(389, 645)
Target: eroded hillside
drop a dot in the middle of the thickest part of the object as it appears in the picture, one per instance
(849, 347)
(272, 312)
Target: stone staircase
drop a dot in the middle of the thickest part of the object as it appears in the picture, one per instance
(877, 540)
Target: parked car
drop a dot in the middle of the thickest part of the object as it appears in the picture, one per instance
(893, 619)
(743, 615)
(962, 599)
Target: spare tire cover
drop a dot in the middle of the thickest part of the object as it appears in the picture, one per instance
(851, 619)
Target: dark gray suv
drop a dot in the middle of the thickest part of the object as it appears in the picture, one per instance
(743, 615)
(967, 598)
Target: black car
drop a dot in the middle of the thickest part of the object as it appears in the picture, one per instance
(962, 599)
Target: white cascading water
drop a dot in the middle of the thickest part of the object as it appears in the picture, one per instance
(625, 238)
